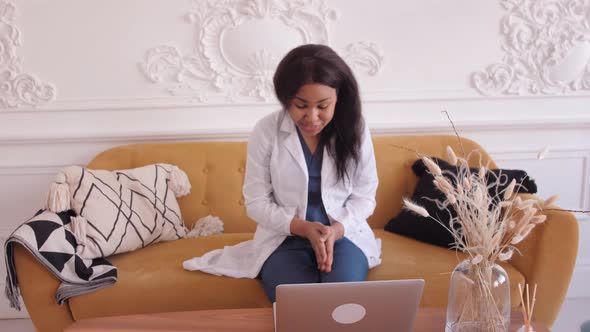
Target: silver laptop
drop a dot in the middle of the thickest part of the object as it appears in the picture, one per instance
(349, 306)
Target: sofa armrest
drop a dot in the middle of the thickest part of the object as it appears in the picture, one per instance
(38, 287)
(548, 259)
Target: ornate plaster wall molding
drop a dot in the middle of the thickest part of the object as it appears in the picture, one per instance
(239, 44)
(546, 45)
(16, 87)
(364, 57)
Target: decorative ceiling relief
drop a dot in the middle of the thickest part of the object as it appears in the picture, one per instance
(239, 44)
(17, 88)
(546, 46)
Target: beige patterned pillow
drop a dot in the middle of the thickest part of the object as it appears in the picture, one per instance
(120, 211)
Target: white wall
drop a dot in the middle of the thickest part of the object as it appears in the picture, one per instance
(96, 66)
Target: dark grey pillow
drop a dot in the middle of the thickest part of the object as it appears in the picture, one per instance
(427, 230)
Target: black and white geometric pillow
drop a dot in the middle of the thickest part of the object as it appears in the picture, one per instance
(48, 238)
(123, 210)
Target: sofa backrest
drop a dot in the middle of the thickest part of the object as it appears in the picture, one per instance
(216, 173)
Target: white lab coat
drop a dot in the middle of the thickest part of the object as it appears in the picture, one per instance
(275, 191)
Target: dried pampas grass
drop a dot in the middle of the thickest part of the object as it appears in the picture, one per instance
(486, 225)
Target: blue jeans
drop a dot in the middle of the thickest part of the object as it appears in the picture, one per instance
(294, 262)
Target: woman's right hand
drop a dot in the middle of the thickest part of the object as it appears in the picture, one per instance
(316, 233)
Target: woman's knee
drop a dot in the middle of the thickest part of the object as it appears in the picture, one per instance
(350, 264)
(345, 250)
(348, 271)
(287, 267)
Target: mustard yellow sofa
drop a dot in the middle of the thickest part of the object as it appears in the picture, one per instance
(152, 279)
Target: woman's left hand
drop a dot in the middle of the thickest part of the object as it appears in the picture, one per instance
(337, 231)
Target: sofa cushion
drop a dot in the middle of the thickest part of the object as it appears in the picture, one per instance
(405, 258)
(427, 230)
(152, 280)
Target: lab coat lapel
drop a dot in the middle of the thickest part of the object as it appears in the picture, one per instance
(292, 143)
(328, 169)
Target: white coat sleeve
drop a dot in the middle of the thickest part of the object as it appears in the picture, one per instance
(361, 203)
(258, 189)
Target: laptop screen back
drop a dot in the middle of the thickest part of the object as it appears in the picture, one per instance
(351, 306)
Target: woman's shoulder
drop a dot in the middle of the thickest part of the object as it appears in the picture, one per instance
(269, 120)
(266, 128)
(269, 123)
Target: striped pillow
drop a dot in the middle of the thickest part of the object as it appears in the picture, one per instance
(120, 211)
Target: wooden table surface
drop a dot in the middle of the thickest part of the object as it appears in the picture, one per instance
(244, 320)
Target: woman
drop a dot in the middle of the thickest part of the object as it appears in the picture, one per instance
(310, 181)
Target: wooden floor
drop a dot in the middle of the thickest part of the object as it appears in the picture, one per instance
(573, 313)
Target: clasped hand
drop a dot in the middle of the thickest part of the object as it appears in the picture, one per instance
(322, 239)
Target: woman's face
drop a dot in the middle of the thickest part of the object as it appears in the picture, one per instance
(312, 108)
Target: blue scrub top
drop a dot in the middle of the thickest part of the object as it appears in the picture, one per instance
(315, 206)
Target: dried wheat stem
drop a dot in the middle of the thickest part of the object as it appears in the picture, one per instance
(510, 190)
(452, 156)
(455, 130)
(407, 149)
(417, 209)
(432, 166)
(568, 210)
(549, 201)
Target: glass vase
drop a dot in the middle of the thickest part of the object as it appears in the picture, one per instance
(479, 298)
